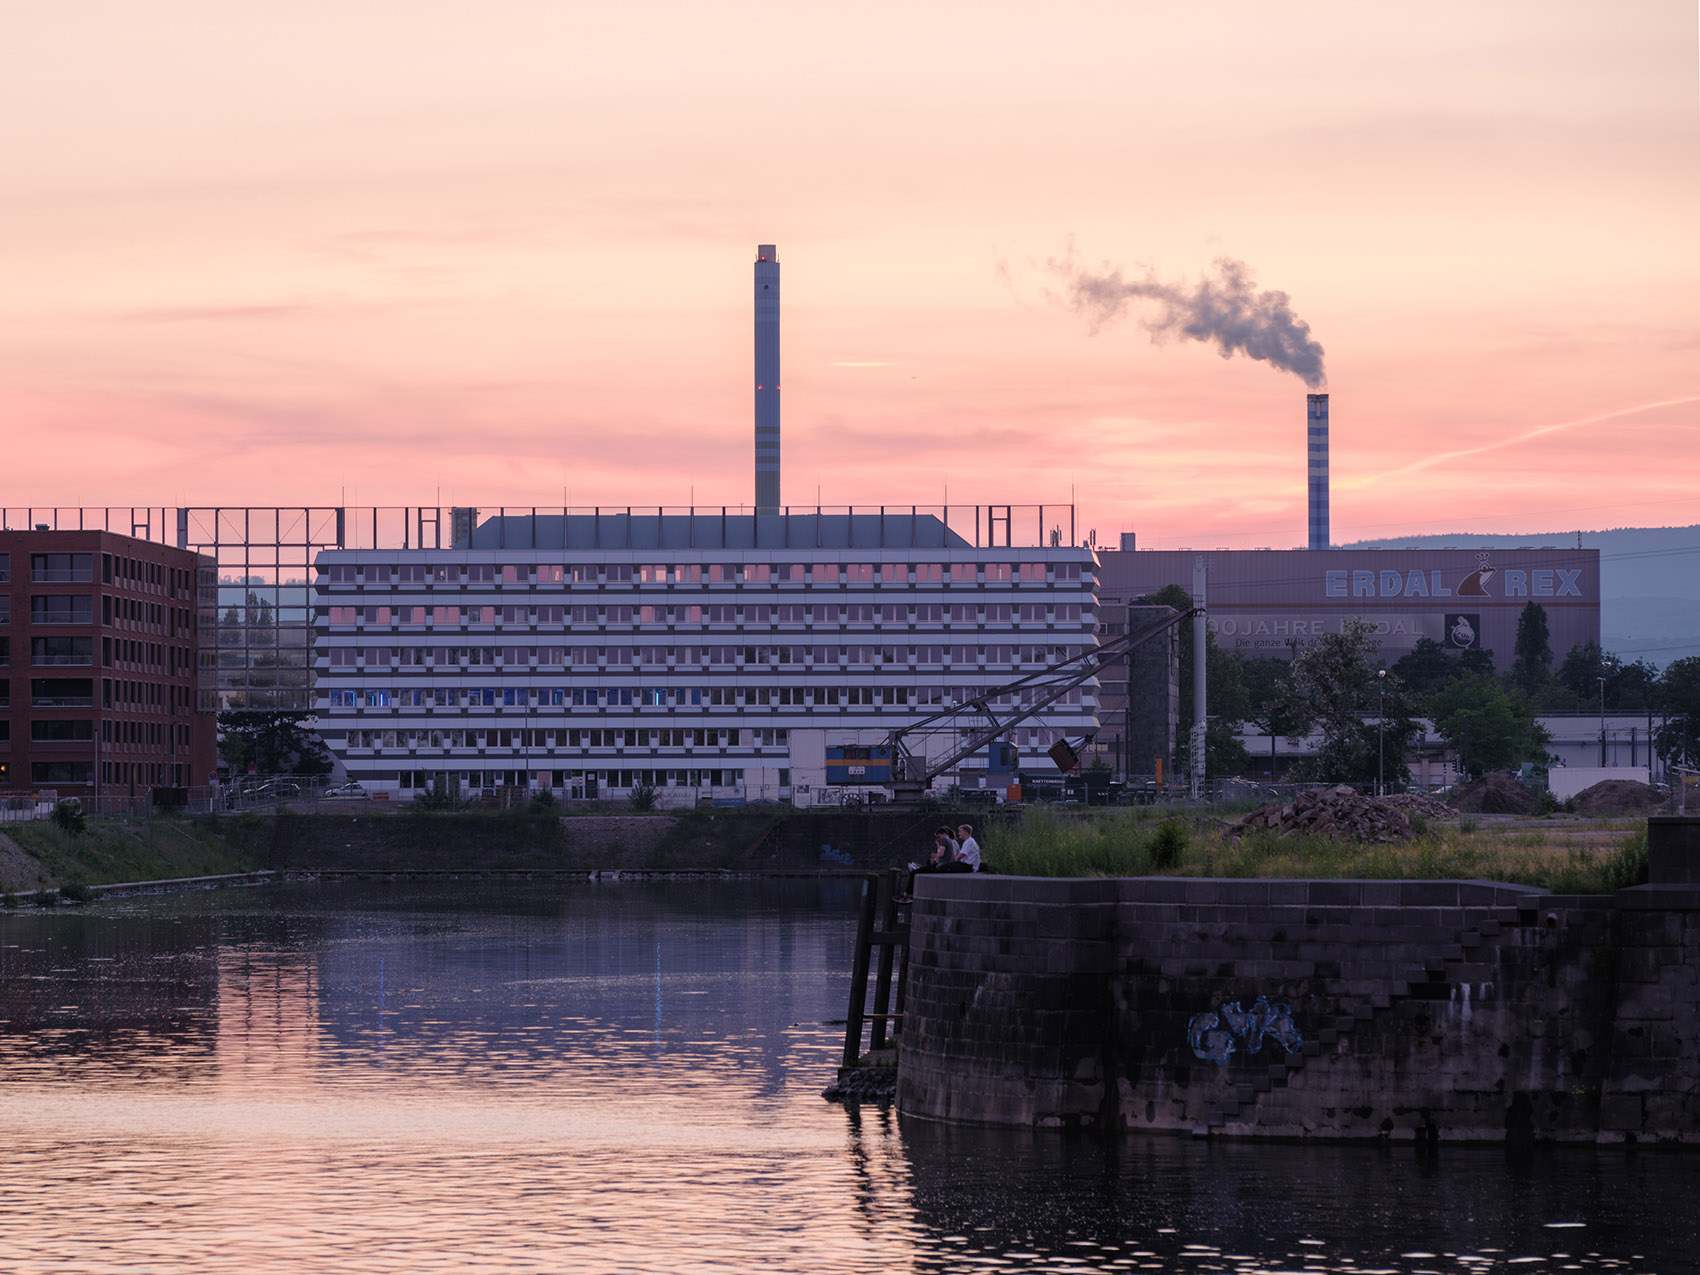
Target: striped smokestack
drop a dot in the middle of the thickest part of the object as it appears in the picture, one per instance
(767, 379)
(1316, 411)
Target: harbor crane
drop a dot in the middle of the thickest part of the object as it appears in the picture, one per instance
(978, 721)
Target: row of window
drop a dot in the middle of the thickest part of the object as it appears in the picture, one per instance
(53, 730)
(680, 697)
(892, 613)
(991, 654)
(577, 783)
(139, 773)
(70, 650)
(78, 608)
(379, 740)
(528, 573)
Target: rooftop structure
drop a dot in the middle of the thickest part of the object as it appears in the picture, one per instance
(263, 555)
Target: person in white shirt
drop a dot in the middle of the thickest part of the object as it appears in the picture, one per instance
(968, 851)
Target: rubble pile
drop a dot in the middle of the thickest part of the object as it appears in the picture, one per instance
(1496, 794)
(1340, 812)
(1419, 803)
(1617, 797)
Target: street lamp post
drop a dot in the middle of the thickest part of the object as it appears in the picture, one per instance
(1380, 731)
(1602, 682)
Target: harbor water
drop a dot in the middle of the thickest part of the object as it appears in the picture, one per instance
(625, 1076)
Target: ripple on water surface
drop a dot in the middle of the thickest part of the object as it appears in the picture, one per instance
(479, 1078)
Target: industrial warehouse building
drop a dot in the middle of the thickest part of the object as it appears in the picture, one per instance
(726, 654)
(1265, 602)
(1272, 602)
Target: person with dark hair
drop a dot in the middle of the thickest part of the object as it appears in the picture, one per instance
(942, 859)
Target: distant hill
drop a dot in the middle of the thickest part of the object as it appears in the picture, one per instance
(1649, 582)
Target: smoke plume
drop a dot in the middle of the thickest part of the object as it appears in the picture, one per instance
(1227, 310)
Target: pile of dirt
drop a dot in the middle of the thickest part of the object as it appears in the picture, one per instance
(1419, 803)
(1332, 812)
(1495, 794)
(1617, 797)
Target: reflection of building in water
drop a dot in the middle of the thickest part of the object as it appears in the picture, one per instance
(268, 1015)
(139, 993)
(600, 979)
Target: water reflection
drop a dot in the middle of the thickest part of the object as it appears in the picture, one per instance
(1171, 1204)
(403, 1078)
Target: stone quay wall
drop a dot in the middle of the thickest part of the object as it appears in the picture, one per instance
(1428, 1010)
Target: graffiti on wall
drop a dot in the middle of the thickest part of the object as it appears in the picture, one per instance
(1216, 1034)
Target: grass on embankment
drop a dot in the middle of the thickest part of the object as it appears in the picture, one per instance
(1610, 855)
(111, 850)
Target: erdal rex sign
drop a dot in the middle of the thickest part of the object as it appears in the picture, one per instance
(1483, 581)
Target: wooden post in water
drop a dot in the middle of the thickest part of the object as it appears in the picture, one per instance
(859, 971)
(888, 953)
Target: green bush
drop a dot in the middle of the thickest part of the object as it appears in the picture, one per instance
(77, 892)
(45, 898)
(68, 817)
(643, 797)
(1168, 844)
(439, 797)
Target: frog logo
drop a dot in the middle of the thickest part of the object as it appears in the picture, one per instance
(1475, 584)
(1463, 632)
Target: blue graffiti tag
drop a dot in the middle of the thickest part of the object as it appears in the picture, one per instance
(1213, 1033)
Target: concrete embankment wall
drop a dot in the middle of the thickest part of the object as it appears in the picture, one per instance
(749, 839)
(367, 838)
(1334, 1009)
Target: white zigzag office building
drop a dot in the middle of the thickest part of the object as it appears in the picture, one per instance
(718, 652)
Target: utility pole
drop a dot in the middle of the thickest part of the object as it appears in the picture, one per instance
(1198, 688)
(1602, 682)
(1380, 731)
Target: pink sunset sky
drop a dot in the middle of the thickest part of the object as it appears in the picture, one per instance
(369, 250)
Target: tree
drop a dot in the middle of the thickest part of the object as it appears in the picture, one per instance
(1532, 662)
(1426, 668)
(1267, 679)
(1429, 667)
(1226, 704)
(1334, 689)
(1495, 722)
(1678, 740)
(271, 742)
(1628, 687)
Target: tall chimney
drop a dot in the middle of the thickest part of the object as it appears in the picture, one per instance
(1316, 410)
(767, 379)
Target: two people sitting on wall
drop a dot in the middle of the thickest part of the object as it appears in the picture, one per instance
(950, 854)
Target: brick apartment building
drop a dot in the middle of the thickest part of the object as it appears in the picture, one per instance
(98, 666)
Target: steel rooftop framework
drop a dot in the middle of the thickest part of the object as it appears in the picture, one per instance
(261, 636)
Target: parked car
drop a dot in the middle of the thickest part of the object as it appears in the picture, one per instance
(351, 789)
